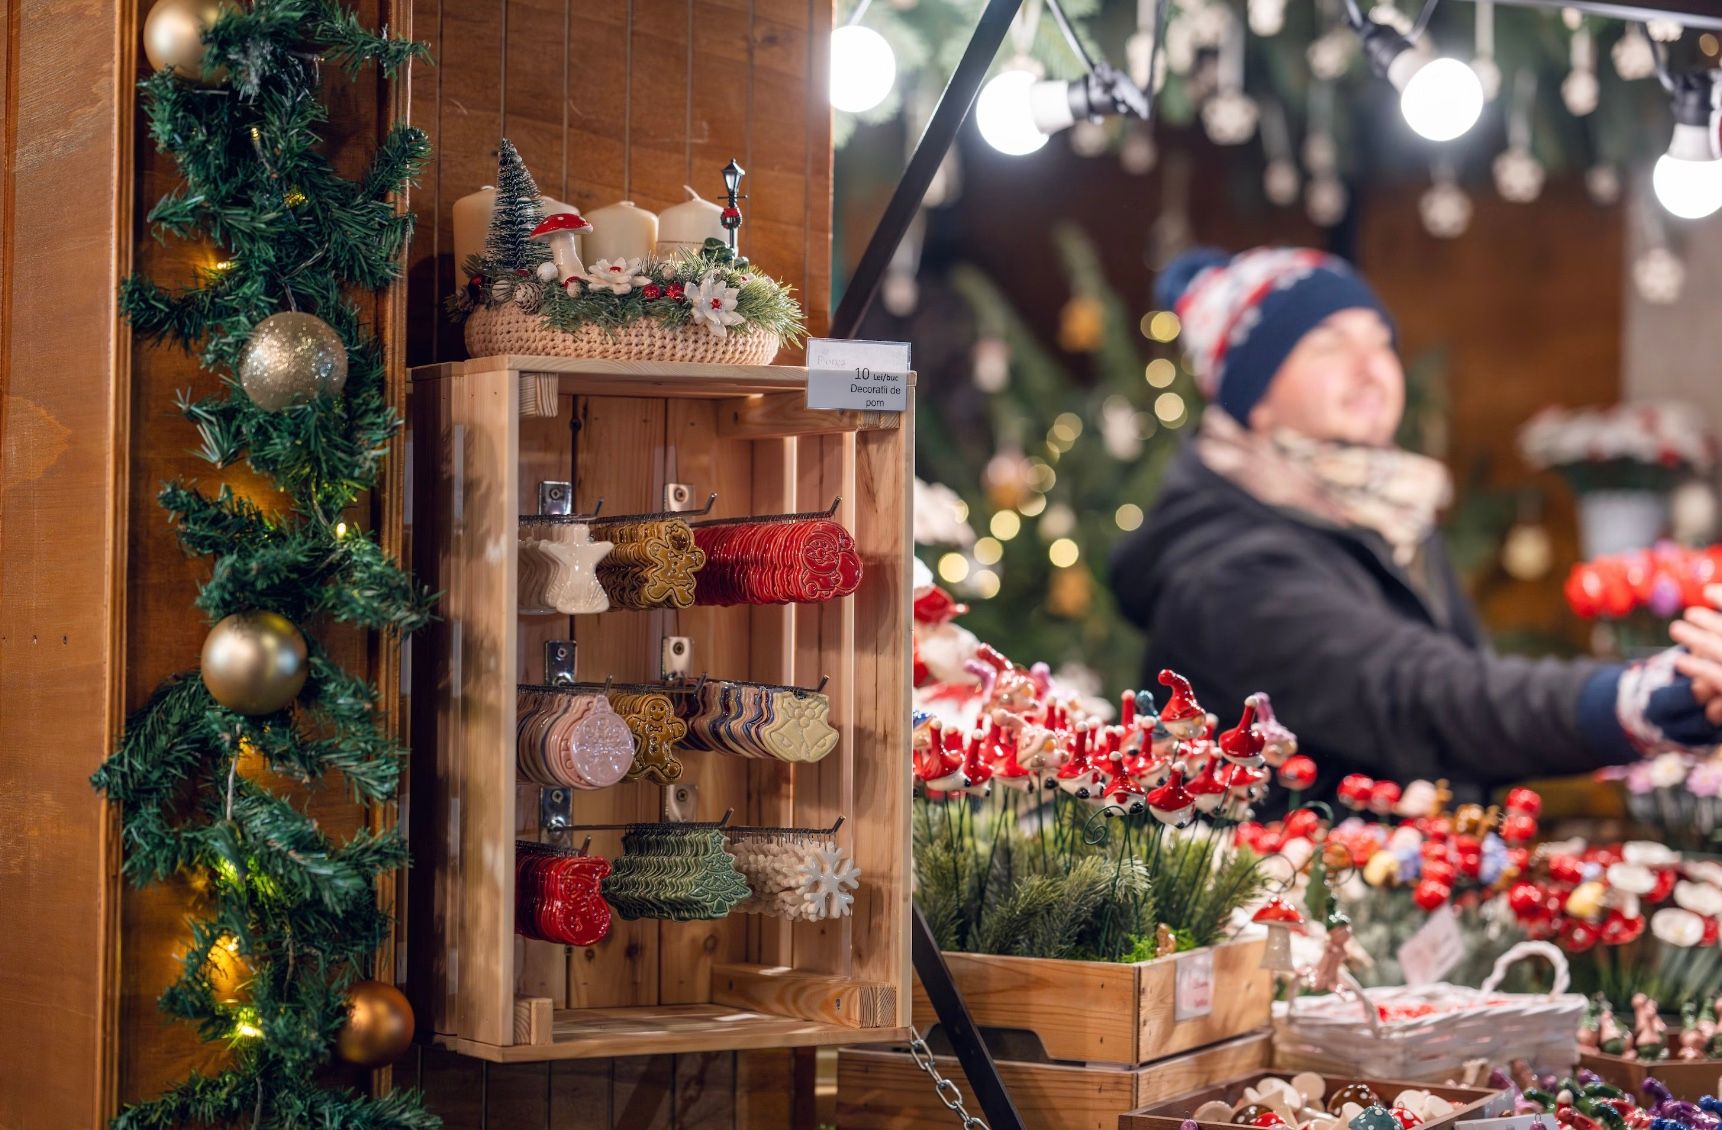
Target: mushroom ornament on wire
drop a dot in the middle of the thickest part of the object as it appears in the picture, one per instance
(1279, 916)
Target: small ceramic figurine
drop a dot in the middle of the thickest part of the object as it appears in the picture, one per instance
(1609, 1037)
(1691, 1039)
(1165, 943)
(1587, 1033)
(1359, 1093)
(1649, 1033)
(1325, 977)
(1715, 1029)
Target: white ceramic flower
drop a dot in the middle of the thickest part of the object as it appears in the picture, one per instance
(618, 276)
(1677, 927)
(1699, 898)
(1631, 878)
(713, 305)
(1649, 853)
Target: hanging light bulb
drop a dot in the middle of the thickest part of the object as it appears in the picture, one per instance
(1688, 178)
(1004, 112)
(863, 68)
(1441, 98)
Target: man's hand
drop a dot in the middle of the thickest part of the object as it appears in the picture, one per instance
(1700, 632)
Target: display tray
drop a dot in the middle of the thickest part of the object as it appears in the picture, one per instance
(1150, 1013)
(1171, 1114)
(1689, 1079)
(886, 1090)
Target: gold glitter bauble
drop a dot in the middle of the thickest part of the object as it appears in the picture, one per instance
(173, 37)
(289, 359)
(254, 662)
(379, 1025)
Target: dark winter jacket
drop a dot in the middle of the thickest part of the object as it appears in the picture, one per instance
(1375, 673)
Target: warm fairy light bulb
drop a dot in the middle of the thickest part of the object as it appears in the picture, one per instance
(988, 551)
(1688, 178)
(953, 568)
(340, 529)
(1128, 517)
(1063, 553)
(1440, 98)
(863, 69)
(1005, 525)
(985, 584)
(1161, 372)
(1033, 505)
(1005, 115)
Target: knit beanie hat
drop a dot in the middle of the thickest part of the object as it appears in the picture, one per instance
(1243, 314)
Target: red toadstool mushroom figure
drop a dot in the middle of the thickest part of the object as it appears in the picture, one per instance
(1279, 916)
(559, 230)
(1183, 715)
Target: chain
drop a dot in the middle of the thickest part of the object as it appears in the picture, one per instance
(946, 1090)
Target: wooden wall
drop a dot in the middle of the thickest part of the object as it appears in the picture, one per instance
(627, 99)
(64, 121)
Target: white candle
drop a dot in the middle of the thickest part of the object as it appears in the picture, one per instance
(619, 231)
(472, 225)
(687, 226)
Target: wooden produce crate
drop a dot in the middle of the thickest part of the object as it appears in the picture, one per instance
(1140, 1021)
(1689, 1079)
(483, 434)
(1169, 1114)
(887, 1090)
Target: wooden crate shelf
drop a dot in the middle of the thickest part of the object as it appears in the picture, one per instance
(622, 431)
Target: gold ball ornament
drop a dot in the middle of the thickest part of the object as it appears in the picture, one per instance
(254, 662)
(379, 1025)
(291, 358)
(173, 37)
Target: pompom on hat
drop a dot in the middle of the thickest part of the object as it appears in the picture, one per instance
(1243, 314)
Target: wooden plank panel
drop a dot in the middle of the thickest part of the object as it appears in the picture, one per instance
(642, 1087)
(658, 94)
(517, 1096)
(454, 1088)
(704, 1091)
(880, 782)
(580, 1093)
(470, 72)
(535, 61)
(766, 1094)
(718, 128)
(430, 259)
(619, 456)
(597, 92)
(595, 1033)
(775, 235)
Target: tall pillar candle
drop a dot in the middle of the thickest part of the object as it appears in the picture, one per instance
(619, 231)
(471, 215)
(686, 226)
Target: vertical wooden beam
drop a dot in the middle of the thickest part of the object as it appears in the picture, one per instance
(64, 420)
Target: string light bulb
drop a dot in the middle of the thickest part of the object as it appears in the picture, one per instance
(1004, 112)
(1687, 178)
(1441, 97)
(863, 68)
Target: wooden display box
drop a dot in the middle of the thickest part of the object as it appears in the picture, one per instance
(1689, 1079)
(622, 432)
(1139, 1021)
(1469, 1102)
(886, 1090)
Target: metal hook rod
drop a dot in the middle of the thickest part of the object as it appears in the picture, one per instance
(808, 516)
(711, 500)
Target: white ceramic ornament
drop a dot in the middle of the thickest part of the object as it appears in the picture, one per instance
(1310, 1086)
(1213, 1111)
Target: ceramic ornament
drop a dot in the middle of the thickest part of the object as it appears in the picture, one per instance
(1311, 1086)
(561, 232)
(1126, 794)
(1207, 790)
(1373, 1117)
(1359, 1095)
(1279, 916)
(1213, 1111)
(1183, 716)
(1172, 803)
(1243, 744)
(1278, 742)
(976, 768)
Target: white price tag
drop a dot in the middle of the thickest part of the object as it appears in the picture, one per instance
(869, 376)
(1434, 950)
(1194, 995)
(1518, 1122)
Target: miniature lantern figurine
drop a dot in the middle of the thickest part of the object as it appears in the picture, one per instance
(559, 231)
(1243, 744)
(730, 218)
(1183, 716)
(1172, 803)
(1279, 916)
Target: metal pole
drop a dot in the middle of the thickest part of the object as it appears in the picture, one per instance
(941, 131)
(959, 1028)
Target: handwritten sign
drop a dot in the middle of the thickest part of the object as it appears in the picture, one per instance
(1434, 950)
(1193, 997)
(869, 376)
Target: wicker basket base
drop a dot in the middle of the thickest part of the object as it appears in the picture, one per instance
(496, 330)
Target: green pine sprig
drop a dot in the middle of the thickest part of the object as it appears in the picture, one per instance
(209, 795)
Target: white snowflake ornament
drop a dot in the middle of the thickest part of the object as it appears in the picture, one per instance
(1518, 175)
(712, 304)
(827, 878)
(1320, 154)
(1230, 117)
(618, 276)
(1603, 184)
(1209, 24)
(1180, 46)
(1489, 74)
(1267, 17)
(991, 364)
(1137, 154)
(1580, 90)
(1634, 57)
(1281, 182)
(1325, 201)
(1330, 55)
(1089, 138)
(1389, 16)
(1446, 210)
(1665, 31)
(1660, 276)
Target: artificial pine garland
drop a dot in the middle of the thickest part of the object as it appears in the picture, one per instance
(297, 909)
